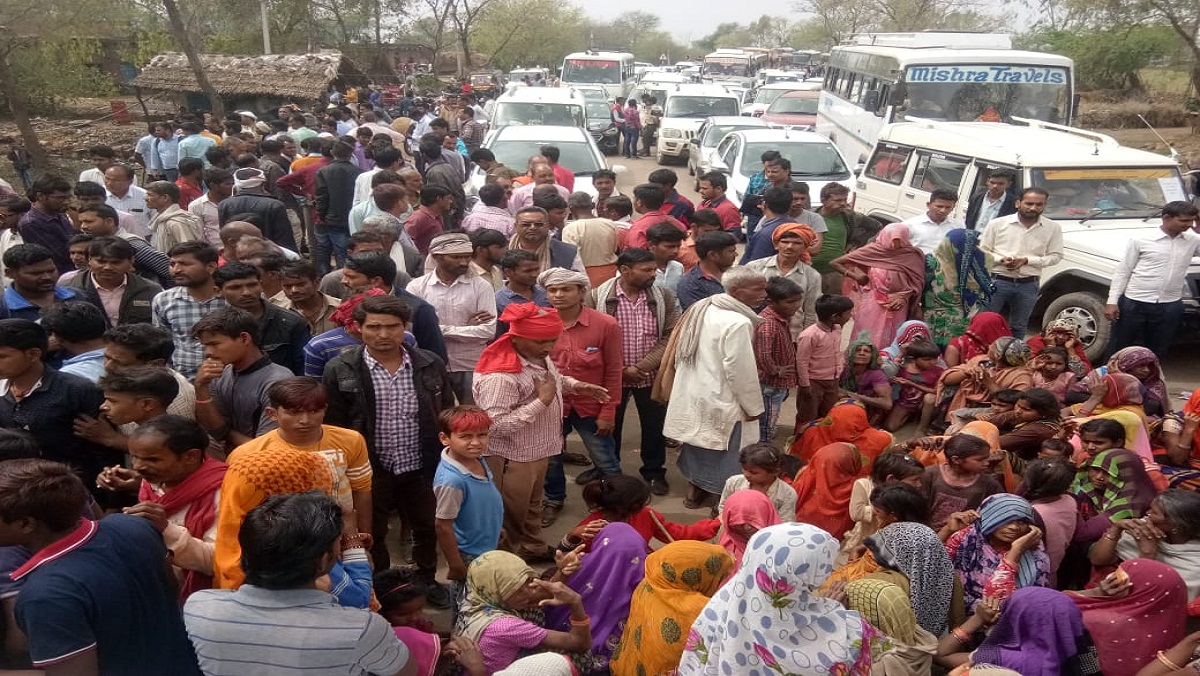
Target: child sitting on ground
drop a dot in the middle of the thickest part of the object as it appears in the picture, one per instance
(624, 498)
(1056, 448)
(918, 381)
(889, 467)
(1002, 401)
(961, 483)
(761, 466)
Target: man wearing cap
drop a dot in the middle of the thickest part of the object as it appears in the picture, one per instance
(590, 351)
(465, 305)
(250, 196)
(792, 260)
(521, 389)
(598, 239)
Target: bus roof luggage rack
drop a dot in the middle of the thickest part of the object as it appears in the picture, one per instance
(1084, 133)
(941, 39)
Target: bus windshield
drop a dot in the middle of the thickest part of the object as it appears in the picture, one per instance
(726, 66)
(1110, 192)
(589, 70)
(988, 93)
(543, 114)
(700, 106)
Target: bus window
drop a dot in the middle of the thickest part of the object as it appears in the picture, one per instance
(935, 170)
(884, 92)
(889, 163)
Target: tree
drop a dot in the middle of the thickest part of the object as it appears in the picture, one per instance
(193, 56)
(508, 38)
(1108, 58)
(841, 19)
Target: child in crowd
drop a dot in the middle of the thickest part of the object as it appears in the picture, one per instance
(890, 466)
(469, 508)
(775, 352)
(917, 381)
(1002, 401)
(625, 498)
(1047, 487)
(401, 596)
(1056, 448)
(1096, 436)
(819, 358)
(1050, 372)
(962, 482)
(761, 466)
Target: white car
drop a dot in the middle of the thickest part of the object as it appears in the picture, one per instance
(765, 95)
(514, 145)
(686, 108)
(703, 146)
(815, 160)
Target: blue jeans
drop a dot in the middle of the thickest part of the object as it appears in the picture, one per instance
(602, 450)
(631, 142)
(773, 398)
(26, 177)
(1150, 325)
(1014, 300)
(330, 241)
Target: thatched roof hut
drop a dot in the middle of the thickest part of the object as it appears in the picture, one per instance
(291, 77)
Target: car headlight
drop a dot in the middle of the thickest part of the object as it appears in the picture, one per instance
(672, 133)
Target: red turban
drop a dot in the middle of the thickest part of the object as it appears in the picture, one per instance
(802, 231)
(344, 315)
(525, 320)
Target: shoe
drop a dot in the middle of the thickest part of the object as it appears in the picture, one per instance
(578, 459)
(659, 486)
(588, 477)
(550, 512)
(439, 596)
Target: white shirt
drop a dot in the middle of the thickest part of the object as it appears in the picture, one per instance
(362, 185)
(988, 210)
(455, 304)
(1154, 269)
(96, 176)
(1040, 243)
(206, 210)
(133, 202)
(927, 235)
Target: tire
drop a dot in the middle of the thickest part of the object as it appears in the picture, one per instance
(660, 158)
(1087, 310)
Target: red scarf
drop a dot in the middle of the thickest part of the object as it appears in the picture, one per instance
(196, 494)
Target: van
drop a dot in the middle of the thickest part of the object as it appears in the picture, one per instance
(540, 106)
(1103, 194)
(684, 110)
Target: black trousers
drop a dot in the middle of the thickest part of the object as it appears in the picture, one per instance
(410, 494)
(652, 415)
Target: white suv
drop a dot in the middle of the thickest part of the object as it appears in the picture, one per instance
(684, 110)
(1102, 193)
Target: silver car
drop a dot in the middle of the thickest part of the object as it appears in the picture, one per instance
(703, 146)
(514, 145)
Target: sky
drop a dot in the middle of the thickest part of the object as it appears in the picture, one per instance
(687, 20)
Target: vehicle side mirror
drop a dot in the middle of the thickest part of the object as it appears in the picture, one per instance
(870, 100)
(897, 95)
(719, 165)
(859, 167)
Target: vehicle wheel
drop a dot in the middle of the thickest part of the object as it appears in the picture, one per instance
(660, 158)
(1086, 309)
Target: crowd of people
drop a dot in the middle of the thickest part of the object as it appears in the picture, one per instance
(219, 389)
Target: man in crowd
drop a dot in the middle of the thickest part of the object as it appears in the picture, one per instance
(717, 252)
(712, 189)
(193, 143)
(488, 248)
(190, 182)
(269, 264)
(102, 157)
(664, 240)
(441, 174)
(598, 239)
(846, 229)
(299, 280)
(77, 328)
(995, 201)
(251, 196)
(543, 175)
(493, 212)
(430, 219)
(775, 205)
(677, 206)
(521, 390)
(220, 188)
(178, 309)
(393, 393)
(170, 225)
(101, 220)
(1145, 299)
(1022, 245)
(703, 220)
(334, 186)
(521, 269)
(33, 288)
(532, 233)
(792, 242)
(562, 175)
(928, 230)
(124, 195)
(109, 283)
(282, 334)
(648, 200)
(46, 223)
(88, 194)
(130, 345)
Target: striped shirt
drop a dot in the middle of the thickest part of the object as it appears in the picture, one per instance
(397, 427)
(523, 428)
(639, 331)
(493, 218)
(176, 311)
(263, 632)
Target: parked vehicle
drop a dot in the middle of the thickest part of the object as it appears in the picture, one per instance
(684, 110)
(814, 158)
(514, 145)
(702, 147)
(794, 109)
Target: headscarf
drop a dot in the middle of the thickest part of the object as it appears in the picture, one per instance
(1130, 630)
(613, 567)
(746, 506)
(248, 178)
(1129, 490)
(685, 339)
(344, 314)
(560, 276)
(680, 579)
(1122, 390)
(802, 231)
(849, 380)
(823, 488)
(525, 320)
(976, 559)
(450, 244)
(907, 261)
(915, 550)
(909, 332)
(1009, 351)
(985, 328)
(845, 422)
(964, 269)
(885, 606)
(1137, 438)
(766, 620)
(543, 664)
(1038, 632)
(1124, 361)
(491, 579)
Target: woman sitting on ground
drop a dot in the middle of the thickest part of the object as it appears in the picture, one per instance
(971, 384)
(1002, 551)
(1064, 334)
(864, 382)
(985, 328)
(1169, 533)
(845, 423)
(1051, 372)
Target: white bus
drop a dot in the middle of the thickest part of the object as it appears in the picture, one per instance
(957, 77)
(616, 71)
(733, 65)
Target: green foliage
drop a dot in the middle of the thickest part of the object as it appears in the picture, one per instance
(48, 71)
(1109, 58)
(508, 39)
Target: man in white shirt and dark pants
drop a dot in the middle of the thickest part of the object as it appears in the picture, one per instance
(1145, 300)
(928, 230)
(1022, 245)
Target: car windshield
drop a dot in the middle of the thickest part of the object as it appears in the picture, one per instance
(794, 104)
(543, 114)
(782, 78)
(594, 94)
(598, 109)
(574, 155)
(587, 70)
(768, 96)
(808, 159)
(700, 106)
(718, 132)
(1110, 192)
